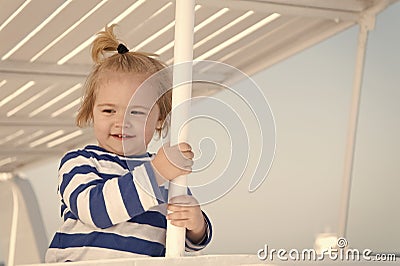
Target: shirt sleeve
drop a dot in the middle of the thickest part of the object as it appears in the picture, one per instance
(192, 247)
(103, 200)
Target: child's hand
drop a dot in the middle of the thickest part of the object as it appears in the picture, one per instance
(186, 212)
(173, 161)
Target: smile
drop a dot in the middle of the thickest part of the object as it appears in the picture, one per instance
(122, 136)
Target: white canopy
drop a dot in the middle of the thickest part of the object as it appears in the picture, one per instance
(44, 53)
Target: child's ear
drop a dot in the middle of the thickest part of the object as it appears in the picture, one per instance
(159, 124)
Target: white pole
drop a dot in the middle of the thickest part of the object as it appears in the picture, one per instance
(14, 225)
(183, 52)
(352, 131)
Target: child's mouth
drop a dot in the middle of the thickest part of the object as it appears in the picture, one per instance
(122, 136)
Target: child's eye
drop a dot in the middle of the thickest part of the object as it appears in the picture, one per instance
(134, 112)
(108, 111)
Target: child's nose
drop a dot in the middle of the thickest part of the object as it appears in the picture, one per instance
(121, 122)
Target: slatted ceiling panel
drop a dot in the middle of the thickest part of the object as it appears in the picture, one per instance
(49, 135)
(6, 10)
(146, 32)
(7, 87)
(59, 104)
(5, 133)
(28, 137)
(290, 33)
(8, 90)
(159, 42)
(277, 42)
(8, 7)
(23, 153)
(200, 16)
(138, 28)
(332, 4)
(287, 49)
(167, 27)
(18, 163)
(31, 105)
(86, 30)
(146, 17)
(245, 40)
(228, 34)
(141, 21)
(203, 13)
(157, 23)
(8, 165)
(29, 19)
(74, 95)
(29, 134)
(262, 40)
(51, 92)
(38, 124)
(271, 39)
(167, 55)
(59, 24)
(26, 95)
(67, 108)
(202, 88)
(168, 37)
(218, 23)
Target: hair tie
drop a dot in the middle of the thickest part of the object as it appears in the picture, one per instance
(122, 49)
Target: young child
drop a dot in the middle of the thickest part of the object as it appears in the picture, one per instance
(112, 194)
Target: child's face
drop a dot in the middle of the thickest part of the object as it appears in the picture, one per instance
(132, 134)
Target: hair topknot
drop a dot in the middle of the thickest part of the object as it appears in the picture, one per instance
(106, 41)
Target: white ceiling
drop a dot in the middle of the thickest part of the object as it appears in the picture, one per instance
(40, 85)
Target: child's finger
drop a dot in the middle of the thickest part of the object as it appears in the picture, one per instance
(188, 163)
(174, 208)
(179, 223)
(184, 200)
(188, 154)
(183, 147)
(178, 207)
(179, 215)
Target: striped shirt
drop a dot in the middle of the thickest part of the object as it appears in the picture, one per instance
(112, 207)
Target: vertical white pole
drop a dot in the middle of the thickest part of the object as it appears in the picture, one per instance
(14, 225)
(183, 52)
(352, 131)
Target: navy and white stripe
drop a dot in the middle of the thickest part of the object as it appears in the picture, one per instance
(111, 206)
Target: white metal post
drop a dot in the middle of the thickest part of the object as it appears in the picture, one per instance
(14, 225)
(183, 52)
(352, 131)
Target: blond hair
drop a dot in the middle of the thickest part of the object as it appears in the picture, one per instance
(128, 62)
